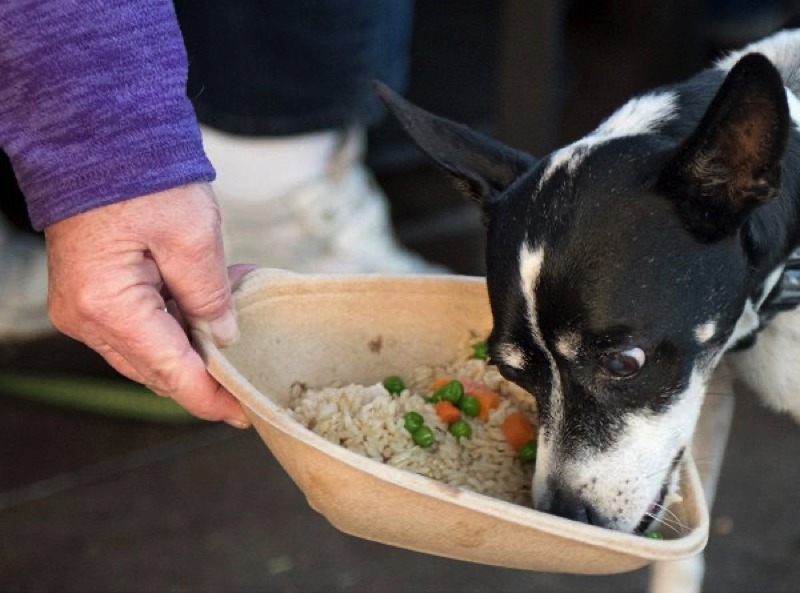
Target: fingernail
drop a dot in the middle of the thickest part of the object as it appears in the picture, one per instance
(224, 329)
(238, 423)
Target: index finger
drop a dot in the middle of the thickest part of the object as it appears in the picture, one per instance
(155, 345)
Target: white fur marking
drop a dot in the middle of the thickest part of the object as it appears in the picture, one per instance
(531, 262)
(705, 332)
(512, 356)
(782, 49)
(530, 265)
(746, 325)
(638, 116)
(568, 345)
(769, 284)
(794, 107)
(771, 368)
(748, 321)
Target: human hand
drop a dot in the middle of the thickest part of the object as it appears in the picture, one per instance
(126, 278)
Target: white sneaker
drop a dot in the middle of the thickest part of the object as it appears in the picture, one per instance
(23, 286)
(338, 223)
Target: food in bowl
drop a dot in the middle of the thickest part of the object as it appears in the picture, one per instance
(460, 423)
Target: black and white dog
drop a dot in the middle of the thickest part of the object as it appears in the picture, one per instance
(622, 267)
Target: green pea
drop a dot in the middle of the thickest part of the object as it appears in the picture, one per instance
(394, 385)
(452, 392)
(460, 428)
(470, 406)
(423, 437)
(479, 350)
(527, 453)
(413, 421)
(654, 535)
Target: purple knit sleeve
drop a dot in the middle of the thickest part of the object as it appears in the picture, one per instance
(93, 106)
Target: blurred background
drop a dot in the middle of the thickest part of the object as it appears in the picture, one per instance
(121, 500)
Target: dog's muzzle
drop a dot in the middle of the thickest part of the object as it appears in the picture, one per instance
(561, 502)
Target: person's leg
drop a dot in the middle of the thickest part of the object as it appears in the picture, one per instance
(23, 269)
(277, 68)
(283, 92)
(23, 288)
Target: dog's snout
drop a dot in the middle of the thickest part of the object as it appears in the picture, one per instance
(565, 504)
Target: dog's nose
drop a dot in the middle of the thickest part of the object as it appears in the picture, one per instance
(569, 506)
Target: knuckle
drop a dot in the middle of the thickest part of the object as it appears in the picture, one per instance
(203, 232)
(75, 308)
(165, 380)
(213, 302)
(167, 374)
(89, 304)
(177, 377)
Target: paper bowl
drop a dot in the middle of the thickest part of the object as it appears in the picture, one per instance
(323, 330)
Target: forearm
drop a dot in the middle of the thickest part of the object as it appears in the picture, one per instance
(92, 103)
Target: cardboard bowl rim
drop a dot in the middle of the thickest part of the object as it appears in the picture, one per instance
(223, 370)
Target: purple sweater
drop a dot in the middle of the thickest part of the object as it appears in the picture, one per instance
(93, 106)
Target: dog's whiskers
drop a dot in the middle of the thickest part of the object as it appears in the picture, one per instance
(658, 471)
(674, 518)
(663, 521)
(668, 518)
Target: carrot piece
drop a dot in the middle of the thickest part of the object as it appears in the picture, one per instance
(518, 430)
(488, 400)
(446, 411)
(441, 382)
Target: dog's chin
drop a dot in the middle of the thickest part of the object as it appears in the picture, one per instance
(658, 507)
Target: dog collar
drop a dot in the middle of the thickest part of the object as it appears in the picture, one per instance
(784, 297)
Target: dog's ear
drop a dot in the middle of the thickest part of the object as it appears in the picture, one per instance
(483, 167)
(731, 163)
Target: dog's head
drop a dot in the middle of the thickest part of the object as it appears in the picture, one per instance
(618, 269)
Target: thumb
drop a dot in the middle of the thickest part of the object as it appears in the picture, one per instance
(192, 264)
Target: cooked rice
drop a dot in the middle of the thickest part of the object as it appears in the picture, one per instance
(369, 421)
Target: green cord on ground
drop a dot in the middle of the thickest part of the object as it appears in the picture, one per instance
(118, 398)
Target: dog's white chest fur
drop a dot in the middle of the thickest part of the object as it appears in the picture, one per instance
(771, 368)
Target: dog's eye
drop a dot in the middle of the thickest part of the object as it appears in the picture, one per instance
(625, 363)
(509, 373)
